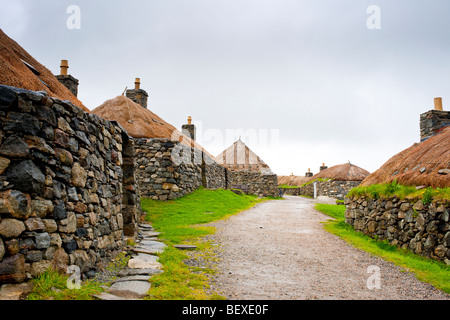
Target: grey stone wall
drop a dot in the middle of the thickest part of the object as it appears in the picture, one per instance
(433, 121)
(409, 224)
(330, 188)
(61, 186)
(254, 183)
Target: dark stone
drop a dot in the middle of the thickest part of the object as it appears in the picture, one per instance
(82, 137)
(59, 211)
(104, 228)
(26, 176)
(46, 114)
(27, 244)
(22, 122)
(70, 246)
(14, 147)
(12, 269)
(7, 98)
(61, 138)
(81, 232)
(34, 256)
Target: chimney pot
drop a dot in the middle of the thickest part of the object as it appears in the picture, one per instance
(189, 120)
(438, 104)
(64, 66)
(137, 83)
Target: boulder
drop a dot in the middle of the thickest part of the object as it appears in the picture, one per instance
(26, 176)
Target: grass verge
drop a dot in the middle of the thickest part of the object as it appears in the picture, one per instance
(434, 272)
(181, 222)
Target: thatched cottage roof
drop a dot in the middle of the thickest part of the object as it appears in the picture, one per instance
(418, 165)
(19, 69)
(239, 157)
(342, 172)
(140, 122)
(293, 180)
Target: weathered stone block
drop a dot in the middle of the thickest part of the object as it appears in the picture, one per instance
(26, 176)
(15, 204)
(12, 269)
(11, 228)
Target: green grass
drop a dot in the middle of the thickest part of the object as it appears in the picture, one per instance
(387, 190)
(427, 270)
(180, 221)
(52, 285)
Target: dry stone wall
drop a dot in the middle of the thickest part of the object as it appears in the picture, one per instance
(330, 188)
(409, 224)
(168, 169)
(61, 186)
(262, 185)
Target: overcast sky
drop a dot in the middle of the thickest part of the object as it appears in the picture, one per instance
(302, 82)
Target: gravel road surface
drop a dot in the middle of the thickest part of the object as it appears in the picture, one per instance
(278, 250)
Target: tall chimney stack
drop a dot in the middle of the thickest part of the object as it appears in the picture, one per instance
(323, 167)
(309, 173)
(433, 121)
(137, 94)
(189, 129)
(438, 104)
(66, 79)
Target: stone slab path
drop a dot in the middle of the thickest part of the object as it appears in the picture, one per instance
(133, 282)
(278, 250)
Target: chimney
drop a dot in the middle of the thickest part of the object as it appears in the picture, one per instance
(309, 173)
(433, 121)
(137, 94)
(66, 79)
(189, 129)
(323, 167)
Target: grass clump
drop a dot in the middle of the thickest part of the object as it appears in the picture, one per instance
(51, 285)
(427, 270)
(181, 221)
(387, 190)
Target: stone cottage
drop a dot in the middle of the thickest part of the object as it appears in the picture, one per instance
(248, 171)
(334, 182)
(421, 225)
(169, 163)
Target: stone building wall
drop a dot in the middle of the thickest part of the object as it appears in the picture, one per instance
(61, 186)
(409, 224)
(431, 122)
(168, 169)
(262, 185)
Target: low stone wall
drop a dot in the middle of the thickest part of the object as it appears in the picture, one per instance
(331, 188)
(168, 169)
(262, 185)
(423, 229)
(61, 186)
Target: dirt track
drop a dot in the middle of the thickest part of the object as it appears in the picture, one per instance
(278, 250)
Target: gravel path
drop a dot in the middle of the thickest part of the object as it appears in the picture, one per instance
(278, 250)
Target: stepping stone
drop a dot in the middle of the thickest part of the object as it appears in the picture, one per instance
(134, 272)
(185, 247)
(130, 289)
(144, 250)
(144, 261)
(152, 245)
(150, 233)
(133, 278)
(146, 226)
(109, 297)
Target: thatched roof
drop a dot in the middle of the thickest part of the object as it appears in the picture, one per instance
(429, 156)
(342, 172)
(140, 122)
(293, 180)
(239, 157)
(15, 73)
